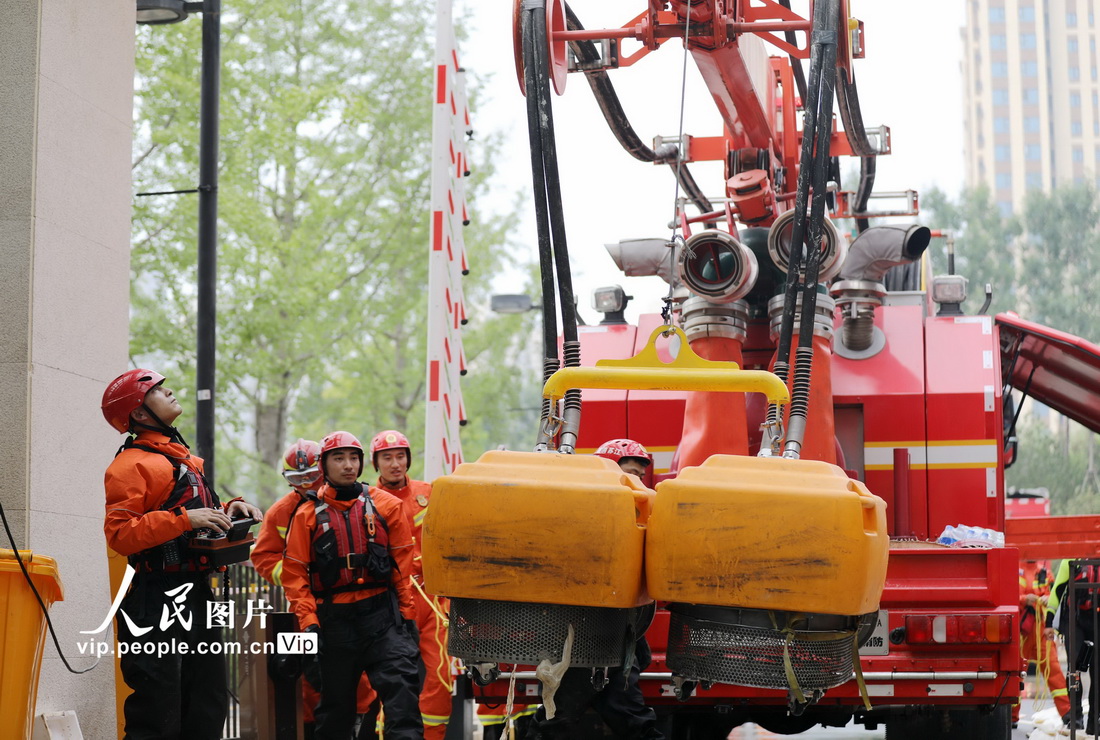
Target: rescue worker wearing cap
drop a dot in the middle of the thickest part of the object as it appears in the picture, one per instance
(391, 455)
(156, 499)
(620, 702)
(301, 469)
(345, 573)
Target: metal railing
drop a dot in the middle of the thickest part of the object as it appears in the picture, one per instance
(242, 585)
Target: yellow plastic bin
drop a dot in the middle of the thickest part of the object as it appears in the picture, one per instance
(23, 634)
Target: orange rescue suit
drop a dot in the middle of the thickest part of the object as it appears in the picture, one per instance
(299, 554)
(267, 557)
(1033, 646)
(435, 697)
(137, 484)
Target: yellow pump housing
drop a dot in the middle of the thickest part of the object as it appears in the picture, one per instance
(767, 533)
(538, 528)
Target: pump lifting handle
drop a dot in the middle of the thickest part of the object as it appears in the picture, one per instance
(647, 372)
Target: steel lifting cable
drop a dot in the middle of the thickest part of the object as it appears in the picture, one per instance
(677, 241)
(805, 254)
(553, 251)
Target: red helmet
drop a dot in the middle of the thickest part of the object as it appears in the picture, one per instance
(617, 449)
(341, 441)
(300, 463)
(125, 394)
(391, 439)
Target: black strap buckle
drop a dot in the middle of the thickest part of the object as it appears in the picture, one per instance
(356, 560)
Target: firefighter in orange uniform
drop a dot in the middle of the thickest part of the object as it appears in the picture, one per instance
(345, 572)
(620, 702)
(1037, 640)
(301, 469)
(157, 497)
(493, 720)
(391, 455)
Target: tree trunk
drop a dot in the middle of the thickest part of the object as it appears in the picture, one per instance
(270, 433)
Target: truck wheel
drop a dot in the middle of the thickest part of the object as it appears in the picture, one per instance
(960, 724)
(700, 728)
(973, 723)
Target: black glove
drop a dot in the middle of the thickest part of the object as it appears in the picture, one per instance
(284, 667)
(311, 664)
(414, 633)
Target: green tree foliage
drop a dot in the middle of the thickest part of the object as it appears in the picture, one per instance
(983, 239)
(1060, 257)
(323, 229)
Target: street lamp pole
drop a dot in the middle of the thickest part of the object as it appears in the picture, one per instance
(205, 361)
(156, 12)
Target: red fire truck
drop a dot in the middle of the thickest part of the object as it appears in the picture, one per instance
(900, 388)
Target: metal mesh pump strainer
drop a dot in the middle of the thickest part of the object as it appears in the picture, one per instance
(484, 631)
(744, 647)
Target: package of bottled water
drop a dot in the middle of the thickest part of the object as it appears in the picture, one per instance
(962, 535)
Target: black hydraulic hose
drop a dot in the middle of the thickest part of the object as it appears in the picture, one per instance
(798, 227)
(817, 117)
(571, 352)
(552, 190)
(546, 259)
(852, 117)
(796, 63)
(825, 45)
(608, 101)
(867, 167)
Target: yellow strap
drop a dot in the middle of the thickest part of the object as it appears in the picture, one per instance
(792, 680)
(859, 671)
(445, 624)
(790, 633)
(509, 726)
(431, 602)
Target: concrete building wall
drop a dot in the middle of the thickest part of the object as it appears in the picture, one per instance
(66, 98)
(1032, 96)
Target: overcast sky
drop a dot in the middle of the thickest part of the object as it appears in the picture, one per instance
(910, 80)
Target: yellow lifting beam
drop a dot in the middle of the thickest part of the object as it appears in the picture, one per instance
(647, 372)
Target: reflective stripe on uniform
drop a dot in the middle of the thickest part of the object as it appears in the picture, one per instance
(277, 573)
(431, 720)
(281, 531)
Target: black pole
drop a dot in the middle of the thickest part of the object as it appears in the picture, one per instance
(208, 232)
